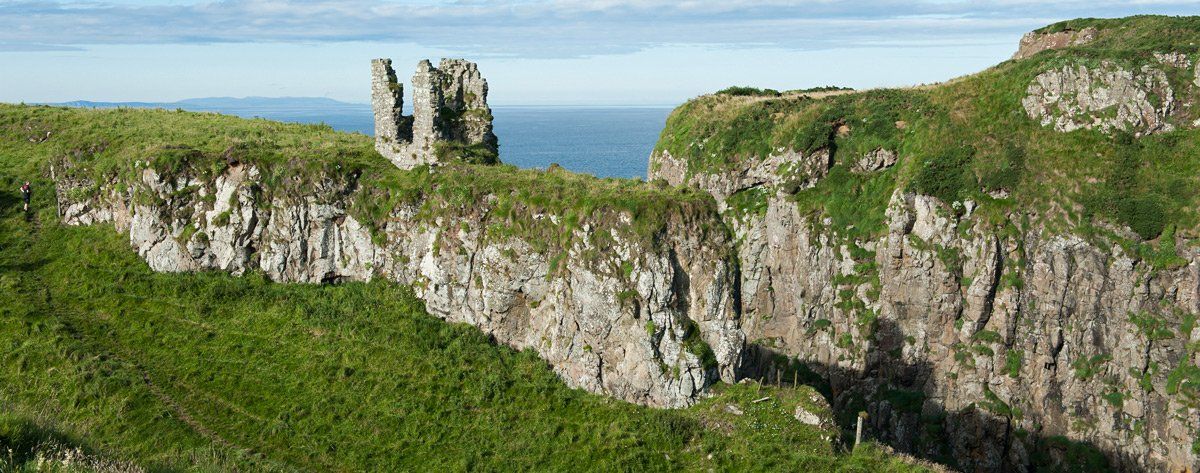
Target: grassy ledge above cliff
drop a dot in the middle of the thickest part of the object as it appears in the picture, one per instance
(998, 138)
(169, 372)
(101, 147)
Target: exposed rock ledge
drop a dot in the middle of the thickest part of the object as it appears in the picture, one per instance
(1105, 97)
(989, 346)
(1034, 42)
(620, 323)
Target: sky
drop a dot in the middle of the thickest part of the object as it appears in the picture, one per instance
(533, 52)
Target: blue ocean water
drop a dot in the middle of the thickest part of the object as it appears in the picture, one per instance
(603, 141)
(606, 142)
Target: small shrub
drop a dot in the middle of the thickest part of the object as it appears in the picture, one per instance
(995, 405)
(945, 175)
(478, 153)
(1012, 362)
(749, 202)
(1006, 172)
(1086, 368)
(1144, 215)
(1115, 398)
(221, 219)
(824, 88)
(1151, 326)
(986, 336)
(1057, 452)
(1184, 381)
(696, 345)
(738, 91)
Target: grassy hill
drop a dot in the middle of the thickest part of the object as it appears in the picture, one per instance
(128, 367)
(970, 139)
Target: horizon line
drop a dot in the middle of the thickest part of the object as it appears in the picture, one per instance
(67, 103)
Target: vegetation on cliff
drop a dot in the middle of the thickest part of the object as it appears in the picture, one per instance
(105, 146)
(105, 357)
(963, 313)
(971, 139)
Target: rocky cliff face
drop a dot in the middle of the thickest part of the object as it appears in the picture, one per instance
(1035, 42)
(449, 110)
(974, 331)
(648, 321)
(978, 344)
(992, 340)
(1105, 97)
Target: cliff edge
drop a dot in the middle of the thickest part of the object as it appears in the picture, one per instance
(1002, 270)
(623, 288)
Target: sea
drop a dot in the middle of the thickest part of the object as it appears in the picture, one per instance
(613, 141)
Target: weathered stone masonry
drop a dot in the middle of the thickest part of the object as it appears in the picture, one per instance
(449, 106)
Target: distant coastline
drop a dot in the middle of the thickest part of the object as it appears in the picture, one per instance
(220, 103)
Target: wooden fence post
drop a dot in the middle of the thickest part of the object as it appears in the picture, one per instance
(858, 431)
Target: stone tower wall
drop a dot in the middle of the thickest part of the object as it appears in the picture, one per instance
(387, 100)
(449, 105)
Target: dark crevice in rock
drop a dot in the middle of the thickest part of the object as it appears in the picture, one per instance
(989, 300)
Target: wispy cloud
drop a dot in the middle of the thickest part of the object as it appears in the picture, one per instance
(545, 28)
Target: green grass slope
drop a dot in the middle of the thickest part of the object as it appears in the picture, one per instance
(209, 372)
(970, 138)
(107, 146)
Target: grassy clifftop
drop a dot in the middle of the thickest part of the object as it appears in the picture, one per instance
(1136, 33)
(109, 363)
(972, 138)
(106, 146)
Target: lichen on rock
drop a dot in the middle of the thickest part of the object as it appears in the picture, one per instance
(874, 161)
(1105, 97)
(1174, 59)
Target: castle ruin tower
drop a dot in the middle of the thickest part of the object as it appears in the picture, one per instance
(387, 101)
(451, 120)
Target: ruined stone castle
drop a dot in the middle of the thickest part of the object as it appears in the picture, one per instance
(450, 121)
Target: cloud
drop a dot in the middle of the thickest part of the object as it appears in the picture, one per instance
(545, 28)
(36, 47)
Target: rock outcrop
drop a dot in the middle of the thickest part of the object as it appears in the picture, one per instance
(990, 342)
(995, 342)
(1104, 97)
(877, 160)
(451, 118)
(784, 168)
(1174, 59)
(986, 347)
(1034, 42)
(648, 321)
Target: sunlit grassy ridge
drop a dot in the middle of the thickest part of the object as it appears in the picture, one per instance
(971, 139)
(115, 145)
(212, 372)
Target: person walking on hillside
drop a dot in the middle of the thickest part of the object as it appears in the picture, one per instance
(26, 193)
